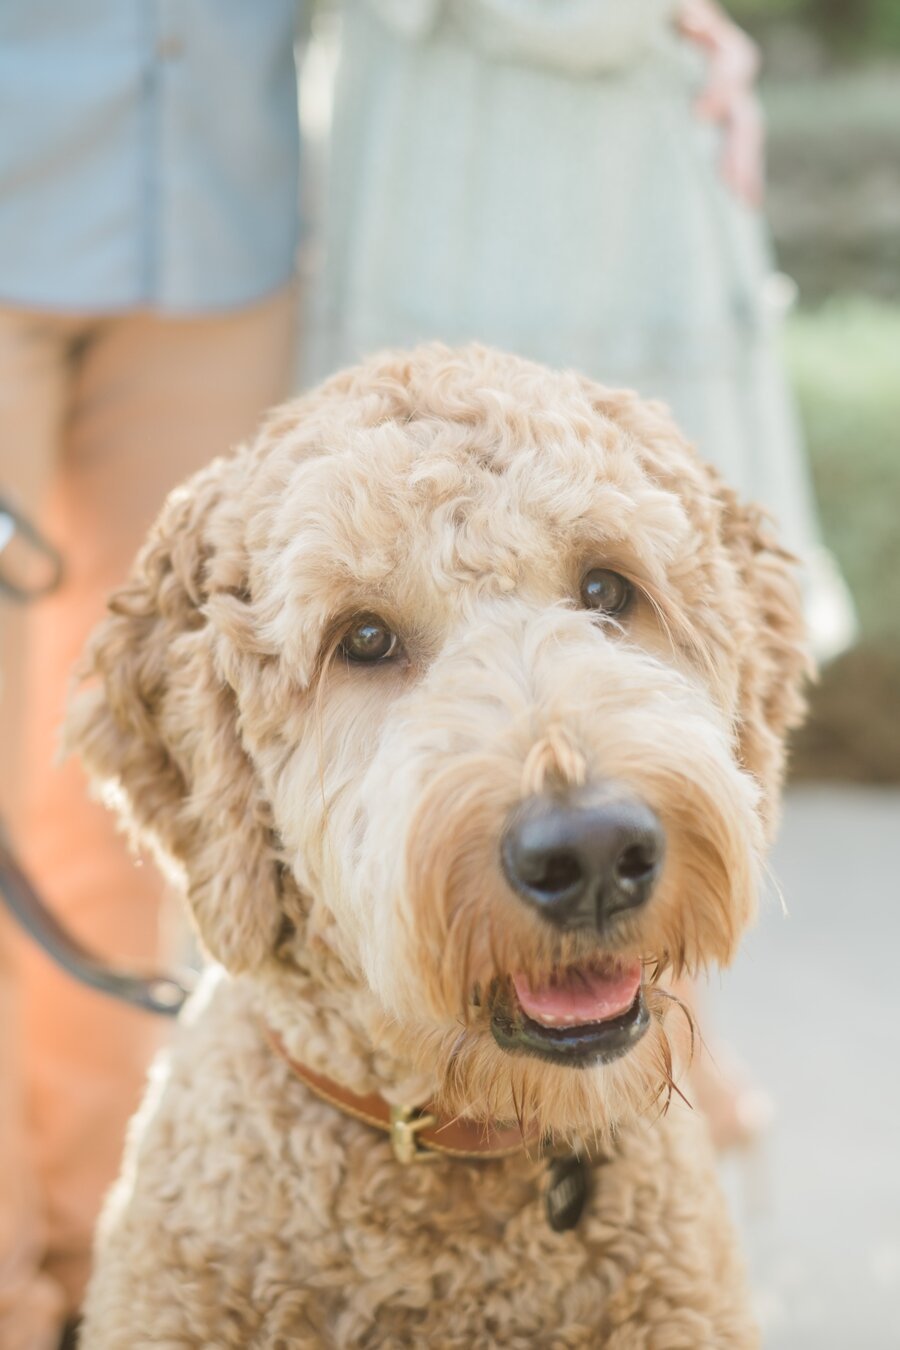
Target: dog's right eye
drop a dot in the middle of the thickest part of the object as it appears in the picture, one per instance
(369, 640)
(605, 591)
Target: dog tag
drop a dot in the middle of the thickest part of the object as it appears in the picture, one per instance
(566, 1193)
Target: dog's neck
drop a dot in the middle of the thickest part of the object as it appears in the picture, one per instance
(337, 1029)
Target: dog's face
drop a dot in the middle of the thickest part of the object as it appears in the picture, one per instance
(472, 677)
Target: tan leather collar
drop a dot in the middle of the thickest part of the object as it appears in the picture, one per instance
(416, 1133)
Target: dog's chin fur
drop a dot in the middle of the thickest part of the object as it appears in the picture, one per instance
(339, 1030)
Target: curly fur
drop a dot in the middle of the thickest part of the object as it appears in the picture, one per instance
(336, 832)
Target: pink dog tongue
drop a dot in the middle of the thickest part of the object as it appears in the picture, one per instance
(581, 996)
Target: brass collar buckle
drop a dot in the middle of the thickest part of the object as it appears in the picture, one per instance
(405, 1126)
(416, 1133)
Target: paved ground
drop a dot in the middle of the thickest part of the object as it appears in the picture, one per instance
(813, 1004)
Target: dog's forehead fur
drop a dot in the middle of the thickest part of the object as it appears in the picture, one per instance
(487, 477)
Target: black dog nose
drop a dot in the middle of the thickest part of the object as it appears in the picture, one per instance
(579, 861)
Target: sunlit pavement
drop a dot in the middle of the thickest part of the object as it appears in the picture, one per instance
(813, 1004)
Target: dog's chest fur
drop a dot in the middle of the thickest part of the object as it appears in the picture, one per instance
(277, 1222)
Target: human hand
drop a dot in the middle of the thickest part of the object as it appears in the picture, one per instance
(729, 97)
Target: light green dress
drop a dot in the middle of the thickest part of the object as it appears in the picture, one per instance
(530, 173)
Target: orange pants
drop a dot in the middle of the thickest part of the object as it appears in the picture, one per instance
(99, 417)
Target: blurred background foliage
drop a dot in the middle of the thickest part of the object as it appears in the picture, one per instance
(831, 87)
(852, 27)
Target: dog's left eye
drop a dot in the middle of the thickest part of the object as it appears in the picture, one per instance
(369, 640)
(606, 591)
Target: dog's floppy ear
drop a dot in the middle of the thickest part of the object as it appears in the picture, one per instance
(160, 725)
(767, 628)
(772, 644)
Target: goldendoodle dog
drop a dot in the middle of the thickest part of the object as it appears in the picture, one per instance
(457, 704)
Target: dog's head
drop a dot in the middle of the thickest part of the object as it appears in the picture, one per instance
(467, 686)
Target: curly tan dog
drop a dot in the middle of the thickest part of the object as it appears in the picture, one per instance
(458, 703)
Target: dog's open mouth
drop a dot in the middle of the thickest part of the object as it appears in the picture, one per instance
(586, 1014)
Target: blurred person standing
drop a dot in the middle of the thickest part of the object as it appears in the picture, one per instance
(578, 182)
(148, 231)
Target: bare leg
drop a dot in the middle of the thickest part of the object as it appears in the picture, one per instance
(153, 399)
(32, 395)
(719, 1085)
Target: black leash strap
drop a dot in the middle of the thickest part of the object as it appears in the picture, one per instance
(31, 567)
(163, 994)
